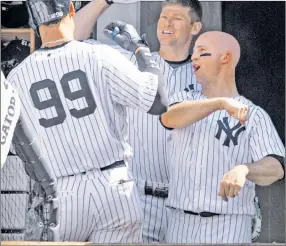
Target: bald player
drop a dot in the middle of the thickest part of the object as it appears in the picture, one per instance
(79, 94)
(179, 21)
(220, 150)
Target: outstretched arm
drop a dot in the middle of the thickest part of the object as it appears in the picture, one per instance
(86, 18)
(127, 37)
(186, 113)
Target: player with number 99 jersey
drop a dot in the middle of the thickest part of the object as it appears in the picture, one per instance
(79, 96)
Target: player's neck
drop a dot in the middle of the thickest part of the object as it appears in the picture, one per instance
(55, 36)
(219, 91)
(172, 54)
(221, 86)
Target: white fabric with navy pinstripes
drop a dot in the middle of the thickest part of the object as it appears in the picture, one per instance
(147, 137)
(201, 154)
(149, 141)
(81, 91)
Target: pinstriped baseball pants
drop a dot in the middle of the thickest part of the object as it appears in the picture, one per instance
(188, 228)
(154, 214)
(97, 207)
(154, 219)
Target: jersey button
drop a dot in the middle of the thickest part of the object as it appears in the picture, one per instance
(52, 225)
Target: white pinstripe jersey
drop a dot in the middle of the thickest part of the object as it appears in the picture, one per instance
(204, 151)
(147, 137)
(78, 93)
(10, 111)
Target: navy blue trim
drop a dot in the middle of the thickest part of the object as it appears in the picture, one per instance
(188, 59)
(54, 47)
(281, 160)
(160, 119)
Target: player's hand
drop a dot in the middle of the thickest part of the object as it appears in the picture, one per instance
(232, 182)
(236, 109)
(124, 35)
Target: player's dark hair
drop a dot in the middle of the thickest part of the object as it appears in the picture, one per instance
(54, 22)
(196, 12)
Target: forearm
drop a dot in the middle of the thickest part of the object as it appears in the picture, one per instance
(186, 113)
(86, 18)
(146, 63)
(265, 171)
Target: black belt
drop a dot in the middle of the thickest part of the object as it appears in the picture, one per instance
(15, 192)
(158, 192)
(113, 165)
(18, 231)
(202, 214)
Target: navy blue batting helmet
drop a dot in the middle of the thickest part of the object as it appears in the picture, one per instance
(43, 12)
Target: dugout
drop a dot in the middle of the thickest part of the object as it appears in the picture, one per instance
(260, 29)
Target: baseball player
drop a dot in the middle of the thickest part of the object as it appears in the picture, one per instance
(79, 93)
(16, 126)
(178, 22)
(222, 146)
(10, 111)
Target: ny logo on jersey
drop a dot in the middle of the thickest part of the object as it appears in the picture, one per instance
(224, 126)
(191, 88)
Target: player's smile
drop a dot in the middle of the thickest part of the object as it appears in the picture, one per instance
(164, 32)
(174, 26)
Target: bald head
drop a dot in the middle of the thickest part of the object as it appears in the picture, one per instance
(223, 43)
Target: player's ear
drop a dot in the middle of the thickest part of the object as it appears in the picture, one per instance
(71, 10)
(197, 26)
(226, 57)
